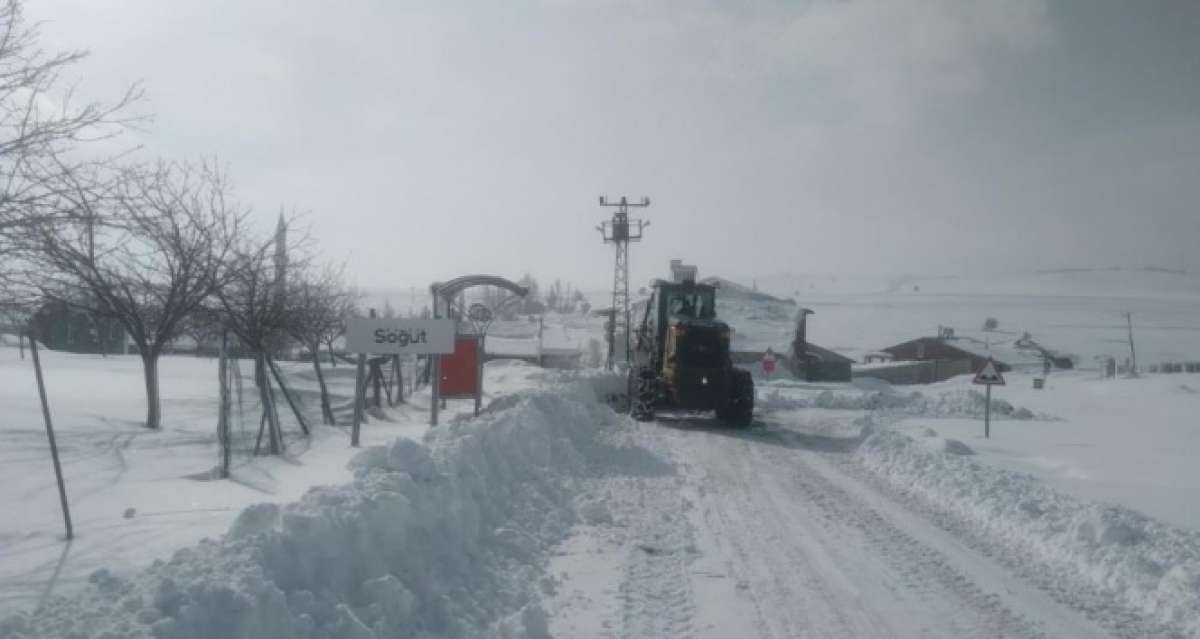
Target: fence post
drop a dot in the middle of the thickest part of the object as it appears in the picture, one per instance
(360, 390)
(223, 416)
(376, 378)
(62, 486)
(287, 395)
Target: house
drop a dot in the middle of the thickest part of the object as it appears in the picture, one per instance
(941, 349)
(788, 340)
(913, 372)
(61, 327)
(973, 352)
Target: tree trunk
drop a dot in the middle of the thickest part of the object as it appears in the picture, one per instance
(260, 371)
(326, 409)
(332, 359)
(153, 400)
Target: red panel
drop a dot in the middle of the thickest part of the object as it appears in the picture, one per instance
(460, 369)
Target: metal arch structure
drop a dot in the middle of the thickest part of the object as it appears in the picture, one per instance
(445, 291)
(443, 295)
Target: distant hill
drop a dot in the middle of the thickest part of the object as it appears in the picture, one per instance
(730, 290)
(1103, 282)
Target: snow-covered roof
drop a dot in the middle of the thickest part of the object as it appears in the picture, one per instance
(1001, 350)
(515, 347)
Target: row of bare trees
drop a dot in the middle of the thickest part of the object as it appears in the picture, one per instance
(161, 248)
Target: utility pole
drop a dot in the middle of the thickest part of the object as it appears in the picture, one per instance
(1132, 353)
(620, 231)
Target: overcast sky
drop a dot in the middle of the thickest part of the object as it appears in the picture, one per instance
(428, 140)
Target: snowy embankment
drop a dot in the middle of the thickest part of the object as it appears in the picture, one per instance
(954, 403)
(1148, 566)
(1128, 447)
(445, 538)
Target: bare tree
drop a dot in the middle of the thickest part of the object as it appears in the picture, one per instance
(253, 301)
(41, 125)
(203, 326)
(348, 307)
(143, 246)
(316, 302)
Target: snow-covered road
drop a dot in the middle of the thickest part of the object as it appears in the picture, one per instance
(552, 515)
(761, 533)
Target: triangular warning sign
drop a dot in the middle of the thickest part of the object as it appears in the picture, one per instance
(989, 375)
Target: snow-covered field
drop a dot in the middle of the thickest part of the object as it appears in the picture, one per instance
(848, 510)
(1078, 312)
(1125, 441)
(112, 464)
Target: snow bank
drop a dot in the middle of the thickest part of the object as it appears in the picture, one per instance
(444, 538)
(950, 403)
(1149, 566)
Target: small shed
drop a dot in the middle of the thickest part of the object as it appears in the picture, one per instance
(822, 365)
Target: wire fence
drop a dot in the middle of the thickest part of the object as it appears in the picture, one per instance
(265, 412)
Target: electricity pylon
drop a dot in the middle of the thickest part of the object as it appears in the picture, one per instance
(620, 231)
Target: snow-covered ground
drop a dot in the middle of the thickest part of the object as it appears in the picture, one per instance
(112, 464)
(1125, 441)
(552, 515)
(440, 539)
(848, 510)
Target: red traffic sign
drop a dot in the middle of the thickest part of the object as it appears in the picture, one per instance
(989, 375)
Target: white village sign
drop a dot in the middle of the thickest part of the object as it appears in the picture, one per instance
(400, 336)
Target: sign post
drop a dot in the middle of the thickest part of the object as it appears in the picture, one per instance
(395, 337)
(989, 376)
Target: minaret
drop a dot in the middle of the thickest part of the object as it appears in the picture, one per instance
(281, 259)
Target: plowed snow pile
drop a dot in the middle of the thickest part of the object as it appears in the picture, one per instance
(949, 403)
(1147, 565)
(441, 539)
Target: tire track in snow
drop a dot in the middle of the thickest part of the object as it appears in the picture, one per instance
(1097, 608)
(761, 533)
(656, 595)
(814, 560)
